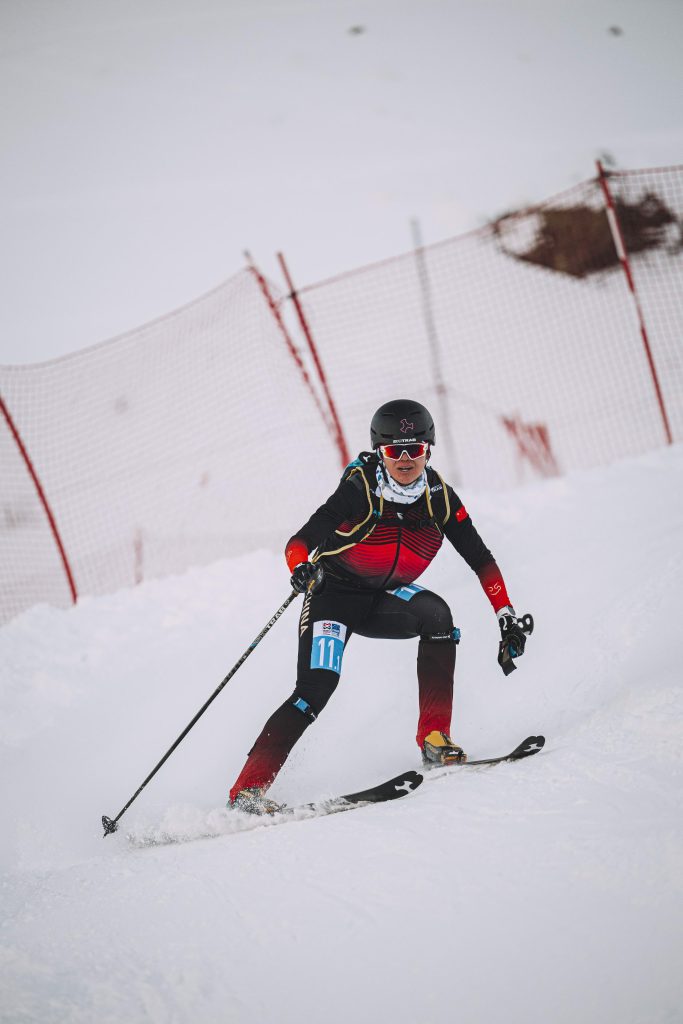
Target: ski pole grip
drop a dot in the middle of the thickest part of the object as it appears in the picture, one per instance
(507, 649)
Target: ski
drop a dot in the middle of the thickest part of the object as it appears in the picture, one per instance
(531, 745)
(233, 822)
(393, 789)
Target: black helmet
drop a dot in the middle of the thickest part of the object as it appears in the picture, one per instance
(401, 420)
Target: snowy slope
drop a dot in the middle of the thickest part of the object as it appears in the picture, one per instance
(544, 890)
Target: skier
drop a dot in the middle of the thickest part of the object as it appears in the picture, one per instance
(372, 539)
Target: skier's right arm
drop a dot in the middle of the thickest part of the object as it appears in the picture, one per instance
(347, 504)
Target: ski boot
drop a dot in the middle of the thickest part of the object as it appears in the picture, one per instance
(438, 748)
(253, 801)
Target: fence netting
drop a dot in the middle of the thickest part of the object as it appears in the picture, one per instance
(199, 436)
(522, 336)
(168, 447)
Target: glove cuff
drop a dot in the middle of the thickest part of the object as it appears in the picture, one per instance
(296, 552)
(507, 610)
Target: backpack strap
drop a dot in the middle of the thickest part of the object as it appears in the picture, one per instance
(358, 476)
(362, 472)
(357, 472)
(445, 510)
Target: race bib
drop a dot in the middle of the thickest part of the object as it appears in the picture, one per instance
(327, 648)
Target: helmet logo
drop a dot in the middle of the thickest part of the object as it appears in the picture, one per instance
(406, 427)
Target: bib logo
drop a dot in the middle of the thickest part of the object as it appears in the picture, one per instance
(331, 628)
(406, 427)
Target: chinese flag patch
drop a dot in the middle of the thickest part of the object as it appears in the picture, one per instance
(461, 514)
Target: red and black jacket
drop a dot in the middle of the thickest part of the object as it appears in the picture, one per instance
(375, 544)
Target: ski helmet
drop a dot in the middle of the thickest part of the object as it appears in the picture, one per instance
(401, 420)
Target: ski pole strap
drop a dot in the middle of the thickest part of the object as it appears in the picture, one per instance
(505, 658)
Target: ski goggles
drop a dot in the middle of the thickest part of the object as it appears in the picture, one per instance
(414, 451)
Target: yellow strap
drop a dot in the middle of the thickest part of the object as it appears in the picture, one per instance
(326, 554)
(445, 498)
(349, 533)
(429, 502)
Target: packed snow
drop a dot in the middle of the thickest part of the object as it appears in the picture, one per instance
(549, 889)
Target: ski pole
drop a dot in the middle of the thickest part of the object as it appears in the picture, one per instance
(111, 824)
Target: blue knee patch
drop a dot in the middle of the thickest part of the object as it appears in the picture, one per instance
(405, 593)
(327, 647)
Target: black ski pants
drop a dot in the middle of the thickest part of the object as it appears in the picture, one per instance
(327, 622)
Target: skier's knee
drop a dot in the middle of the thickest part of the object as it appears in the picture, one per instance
(436, 619)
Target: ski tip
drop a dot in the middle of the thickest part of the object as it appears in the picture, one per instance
(531, 745)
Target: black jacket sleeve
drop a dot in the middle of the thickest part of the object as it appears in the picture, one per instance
(348, 503)
(462, 534)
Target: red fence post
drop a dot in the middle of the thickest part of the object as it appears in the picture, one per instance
(293, 351)
(622, 253)
(340, 439)
(41, 497)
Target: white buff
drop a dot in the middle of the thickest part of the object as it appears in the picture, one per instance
(392, 490)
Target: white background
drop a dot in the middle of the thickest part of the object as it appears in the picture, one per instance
(147, 143)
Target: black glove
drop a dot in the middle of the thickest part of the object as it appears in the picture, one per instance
(308, 578)
(513, 633)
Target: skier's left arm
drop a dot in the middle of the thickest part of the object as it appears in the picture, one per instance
(462, 533)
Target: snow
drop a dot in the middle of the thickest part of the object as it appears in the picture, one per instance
(549, 889)
(147, 144)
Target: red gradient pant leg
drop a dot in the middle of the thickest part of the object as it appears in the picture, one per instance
(281, 732)
(336, 610)
(435, 672)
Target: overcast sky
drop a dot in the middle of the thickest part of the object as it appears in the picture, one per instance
(147, 143)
